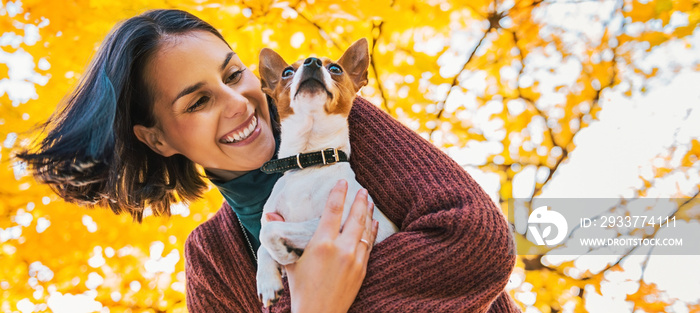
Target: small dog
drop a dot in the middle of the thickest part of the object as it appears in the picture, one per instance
(313, 98)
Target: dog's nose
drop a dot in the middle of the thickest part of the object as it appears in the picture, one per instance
(313, 62)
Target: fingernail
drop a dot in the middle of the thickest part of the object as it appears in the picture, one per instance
(363, 192)
(342, 183)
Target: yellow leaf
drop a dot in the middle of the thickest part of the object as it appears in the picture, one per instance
(648, 298)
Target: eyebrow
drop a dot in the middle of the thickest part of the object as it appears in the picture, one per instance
(228, 58)
(198, 85)
(188, 91)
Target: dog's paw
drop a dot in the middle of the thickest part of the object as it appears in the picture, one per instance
(285, 241)
(270, 299)
(284, 253)
(270, 288)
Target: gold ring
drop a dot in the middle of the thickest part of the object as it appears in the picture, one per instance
(363, 240)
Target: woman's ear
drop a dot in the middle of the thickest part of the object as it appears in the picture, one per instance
(152, 137)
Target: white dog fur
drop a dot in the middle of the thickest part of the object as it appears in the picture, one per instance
(300, 195)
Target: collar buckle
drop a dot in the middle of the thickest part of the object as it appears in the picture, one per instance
(335, 158)
(299, 161)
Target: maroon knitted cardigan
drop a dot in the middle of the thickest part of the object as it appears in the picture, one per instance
(454, 251)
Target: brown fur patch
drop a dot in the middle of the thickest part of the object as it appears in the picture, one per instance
(344, 87)
(343, 93)
(341, 88)
(281, 94)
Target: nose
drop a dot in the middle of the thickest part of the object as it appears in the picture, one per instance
(313, 63)
(234, 103)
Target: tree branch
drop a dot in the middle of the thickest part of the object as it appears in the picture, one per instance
(320, 29)
(455, 80)
(373, 64)
(532, 105)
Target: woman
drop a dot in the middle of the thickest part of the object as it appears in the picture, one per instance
(163, 94)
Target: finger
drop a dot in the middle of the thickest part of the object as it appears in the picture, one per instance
(375, 231)
(364, 246)
(363, 250)
(355, 224)
(369, 220)
(333, 213)
(367, 233)
(274, 217)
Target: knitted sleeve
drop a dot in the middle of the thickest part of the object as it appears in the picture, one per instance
(220, 276)
(454, 251)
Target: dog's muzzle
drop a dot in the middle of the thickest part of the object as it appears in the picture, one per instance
(311, 80)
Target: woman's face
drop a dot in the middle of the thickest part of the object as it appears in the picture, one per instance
(208, 106)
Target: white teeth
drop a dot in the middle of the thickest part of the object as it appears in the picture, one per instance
(242, 134)
(250, 128)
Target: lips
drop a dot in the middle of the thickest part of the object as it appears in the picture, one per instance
(241, 133)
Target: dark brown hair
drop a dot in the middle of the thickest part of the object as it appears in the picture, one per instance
(90, 154)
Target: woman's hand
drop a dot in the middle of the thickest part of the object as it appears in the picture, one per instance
(330, 272)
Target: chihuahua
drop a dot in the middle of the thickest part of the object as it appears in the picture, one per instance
(313, 98)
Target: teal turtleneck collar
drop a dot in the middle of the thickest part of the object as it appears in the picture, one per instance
(247, 195)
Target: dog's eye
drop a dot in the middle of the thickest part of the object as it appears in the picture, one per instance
(288, 72)
(335, 69)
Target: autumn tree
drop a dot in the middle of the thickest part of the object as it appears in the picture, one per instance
(514, 82)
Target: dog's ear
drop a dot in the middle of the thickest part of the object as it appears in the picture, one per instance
(271, 67)
(355, 62)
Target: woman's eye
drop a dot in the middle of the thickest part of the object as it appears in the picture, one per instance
(288, 72)
(335, 69)
(235, 77)
(200, 102)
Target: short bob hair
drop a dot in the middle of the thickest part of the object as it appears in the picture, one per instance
(90, 154)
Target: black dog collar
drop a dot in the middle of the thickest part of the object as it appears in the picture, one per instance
(304, 160)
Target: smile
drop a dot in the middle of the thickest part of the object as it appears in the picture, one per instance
(241, 133)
